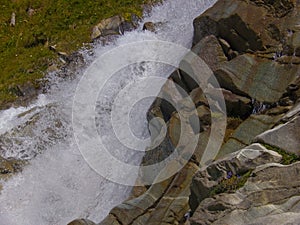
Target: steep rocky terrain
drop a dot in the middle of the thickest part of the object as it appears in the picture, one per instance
(253, 49)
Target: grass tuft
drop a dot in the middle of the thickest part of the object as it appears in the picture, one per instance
(24, 48)
(287, 158)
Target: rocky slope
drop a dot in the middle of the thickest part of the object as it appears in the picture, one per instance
(253, 49)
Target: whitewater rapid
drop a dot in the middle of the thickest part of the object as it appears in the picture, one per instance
(58, 185)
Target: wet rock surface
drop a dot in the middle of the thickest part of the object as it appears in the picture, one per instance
(9, 167)
(82, 222)
(150, 26)
(108, 26)
(14, 145)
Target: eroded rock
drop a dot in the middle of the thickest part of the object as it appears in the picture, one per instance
(109, 26)
(238, 163)
(261, 79)
(285, 136)
(247, 26)
(246, 132)
(269, 196)
(210, 50)
(163, 203)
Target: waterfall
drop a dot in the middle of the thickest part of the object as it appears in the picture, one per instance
(58, 185)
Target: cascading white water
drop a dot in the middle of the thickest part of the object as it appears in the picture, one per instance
(58, 185)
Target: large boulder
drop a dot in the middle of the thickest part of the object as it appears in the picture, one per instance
(108, 26)
(248, 26)
(284, 136)
(270, 196)
(211, 51)
(207, 180)
(261, 79)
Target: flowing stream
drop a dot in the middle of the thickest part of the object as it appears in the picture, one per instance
(58, 185)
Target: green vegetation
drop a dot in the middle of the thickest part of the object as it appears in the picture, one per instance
(231, 184)
(235, 182)
(24, 48)
(287, 158)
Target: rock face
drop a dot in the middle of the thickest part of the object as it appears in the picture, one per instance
(244, 25)
(163, 203)
(107, 27)
(12, 143)
(208, 181)
(252, 47)
(113, 26)
(261, 79)
(285, 136)
(260, 34)
(257, 35)
(270, 191)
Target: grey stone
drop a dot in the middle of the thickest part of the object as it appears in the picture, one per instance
(270, 196)
(107, 26)
(261, 79)
(285, 136)
(237, 163)
(246, 133)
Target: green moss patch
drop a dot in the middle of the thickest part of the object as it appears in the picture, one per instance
(67, 24)
(287, 158)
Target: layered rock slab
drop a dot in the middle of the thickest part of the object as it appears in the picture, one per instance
(238, 163)
(163, 203)
(285, 136)
(270, 194)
